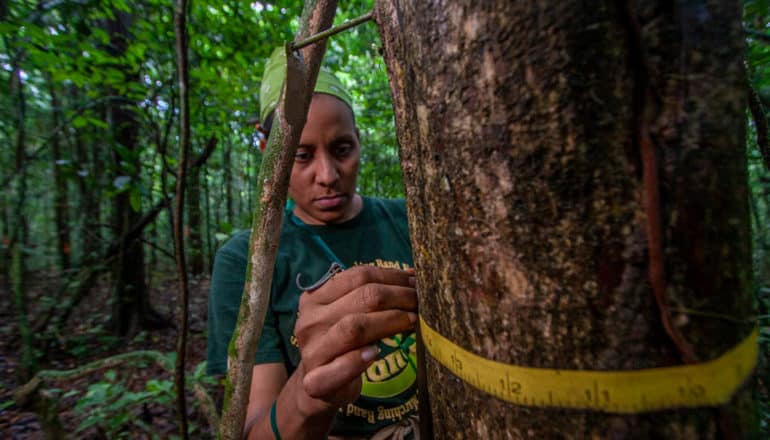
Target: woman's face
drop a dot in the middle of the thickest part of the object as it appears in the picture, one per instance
(323, 179)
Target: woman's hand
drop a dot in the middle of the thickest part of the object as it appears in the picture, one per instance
(339, 325)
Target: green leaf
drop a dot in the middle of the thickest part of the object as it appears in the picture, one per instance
(98, 123)
(135, 199)
(8, 28)
(200, 370)
(159, 386)
(90, 421)
(79, 122)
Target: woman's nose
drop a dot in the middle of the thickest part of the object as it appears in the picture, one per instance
(326, 172)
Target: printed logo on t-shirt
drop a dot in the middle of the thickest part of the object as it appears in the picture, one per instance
(395, 370)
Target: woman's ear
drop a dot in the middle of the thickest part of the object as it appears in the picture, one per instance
(358, 135)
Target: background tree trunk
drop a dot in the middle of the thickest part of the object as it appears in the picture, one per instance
(131, 308)
(209, 253)
(194, 239)
(91, 177)
(227, 181)
(183, 74)
(19, 223)
(521, 126)
(89, 190)
(61, 200)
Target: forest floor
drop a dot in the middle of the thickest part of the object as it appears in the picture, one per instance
(112, 412)
(132, 401)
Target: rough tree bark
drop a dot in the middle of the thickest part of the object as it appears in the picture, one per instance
(531, 134)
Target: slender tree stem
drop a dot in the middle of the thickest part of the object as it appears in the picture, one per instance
(272, 186)
(180, 24)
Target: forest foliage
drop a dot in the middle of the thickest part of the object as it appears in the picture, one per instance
(62, 48)
(64, 69)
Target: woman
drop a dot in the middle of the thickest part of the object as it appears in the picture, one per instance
(336, 356)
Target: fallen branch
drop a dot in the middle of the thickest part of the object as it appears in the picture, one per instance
(24, 393)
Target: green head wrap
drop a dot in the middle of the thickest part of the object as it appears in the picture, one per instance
(272, 82)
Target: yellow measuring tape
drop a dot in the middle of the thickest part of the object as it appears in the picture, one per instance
(711, 383)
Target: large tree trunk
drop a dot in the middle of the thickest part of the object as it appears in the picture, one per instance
(531, 134)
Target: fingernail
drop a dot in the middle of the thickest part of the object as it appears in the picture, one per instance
(412, 317)
(369, 353)
(412, 281)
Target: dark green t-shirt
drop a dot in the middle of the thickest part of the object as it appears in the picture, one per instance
(378, 236)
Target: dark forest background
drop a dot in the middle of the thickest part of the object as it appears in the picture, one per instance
(89, 147)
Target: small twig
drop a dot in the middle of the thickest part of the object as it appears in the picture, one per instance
(735, 319)
(760, 124)
(208, 407)
(761, 36)
(332, 31)
(155, 246)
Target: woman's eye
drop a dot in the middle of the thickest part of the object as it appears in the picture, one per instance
(302, 156)
(344, 150)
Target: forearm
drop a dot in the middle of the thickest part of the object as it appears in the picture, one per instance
(297, 415)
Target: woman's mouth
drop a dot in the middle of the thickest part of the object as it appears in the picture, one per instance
(330, 202)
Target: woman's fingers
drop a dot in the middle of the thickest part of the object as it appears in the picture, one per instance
(340, 323)
(327, 380)
(355, 331)
(365, 299)
(345, 282)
